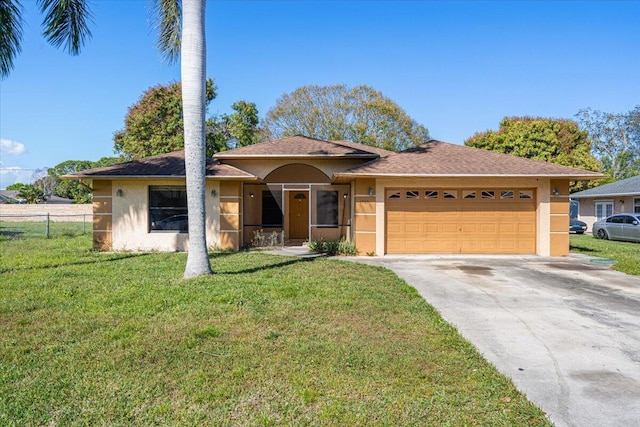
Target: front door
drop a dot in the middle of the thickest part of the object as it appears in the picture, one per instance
(298, 214)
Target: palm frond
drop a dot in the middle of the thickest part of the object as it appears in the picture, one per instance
(66, 23)
(167, 15)
(10, 34)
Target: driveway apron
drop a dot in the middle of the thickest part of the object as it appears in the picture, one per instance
(565, 330)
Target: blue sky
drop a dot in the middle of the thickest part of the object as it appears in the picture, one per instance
(456, 67)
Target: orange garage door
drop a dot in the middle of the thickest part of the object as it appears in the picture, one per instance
(465, 220)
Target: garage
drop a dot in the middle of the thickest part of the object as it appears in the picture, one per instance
(460, 220)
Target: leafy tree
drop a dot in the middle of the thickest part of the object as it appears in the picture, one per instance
(234, 130)
(181, 27)
(615, 139)
(557, 141)
(360, 114)
(53, 184)
(31, 194)
(17, 186)
(154, 125)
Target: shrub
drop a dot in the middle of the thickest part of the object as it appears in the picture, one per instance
(333, 247)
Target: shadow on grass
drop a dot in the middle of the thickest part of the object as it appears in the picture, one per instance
(289, 261)
(71, 263)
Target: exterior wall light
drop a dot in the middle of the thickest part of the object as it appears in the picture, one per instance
(214, 193)
(556, 192)
(371, 192)
(344, 196)
(251, 194)
(119, 192)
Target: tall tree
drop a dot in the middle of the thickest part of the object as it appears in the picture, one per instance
(154, 125)
(182, 33)
(360, 114)
(552, 140)
(615, 140)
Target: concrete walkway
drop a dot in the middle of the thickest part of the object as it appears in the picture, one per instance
(566, 330)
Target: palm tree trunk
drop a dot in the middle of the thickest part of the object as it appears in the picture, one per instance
(193, 59)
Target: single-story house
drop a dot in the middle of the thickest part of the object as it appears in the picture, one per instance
(600, 202)
(434, 198)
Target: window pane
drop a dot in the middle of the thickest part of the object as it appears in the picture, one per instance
(450, 194)
(413, 194)
(393, 195)
(506, 194)
(468, 194)
(525, 194)
(271, 212)
(168, 209)
(636, 206)
(430, 194)
(327, 208)
(488, 194)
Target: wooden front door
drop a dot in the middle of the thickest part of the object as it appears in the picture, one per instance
(298, 214)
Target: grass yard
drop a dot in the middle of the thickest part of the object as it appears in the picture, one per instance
(626, 254)
(119, 339)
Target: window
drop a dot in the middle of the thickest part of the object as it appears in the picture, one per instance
(636, 206)
(525, 194)
(413, 194)
(450, 194)
(327, 208)
(168, 209)
(393, 195)
(616, 220)
(468, 194)
(271, 212)
(506, 194)
(603, 210)
(488, 194)
(430, 194)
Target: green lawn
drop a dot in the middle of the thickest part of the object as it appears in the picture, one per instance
(626, 255)
(120, 339)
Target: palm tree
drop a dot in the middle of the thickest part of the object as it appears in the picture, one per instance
(181, 24)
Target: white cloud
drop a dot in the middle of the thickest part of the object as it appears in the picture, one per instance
(8, 146)
(12, 174)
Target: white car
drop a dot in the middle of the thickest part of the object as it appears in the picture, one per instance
(618, 227)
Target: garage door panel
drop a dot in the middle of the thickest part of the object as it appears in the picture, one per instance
(497, 225)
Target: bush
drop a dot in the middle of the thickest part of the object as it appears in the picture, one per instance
(333, 247)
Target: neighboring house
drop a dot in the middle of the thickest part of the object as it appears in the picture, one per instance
(434, 198)
(10, 196)
(600, 202)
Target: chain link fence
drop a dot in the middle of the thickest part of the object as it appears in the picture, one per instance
(43, 225)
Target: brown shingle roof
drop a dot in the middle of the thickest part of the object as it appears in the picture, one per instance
(170, 165)
(302, 146)
(436, 158)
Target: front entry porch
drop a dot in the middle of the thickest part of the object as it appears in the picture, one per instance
(302, 212)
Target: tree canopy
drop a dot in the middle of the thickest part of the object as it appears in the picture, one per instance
(155, 125)
(557, 141)
(360, 114)
(615, 140)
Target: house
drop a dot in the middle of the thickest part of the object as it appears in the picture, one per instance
(434, 198)
(600, 202)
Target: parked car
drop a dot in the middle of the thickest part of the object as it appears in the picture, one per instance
(577, 227)
(175, 222)
(618, 227)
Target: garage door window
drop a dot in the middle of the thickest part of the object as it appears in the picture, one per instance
(468, 194)
(525, 194)
(393, 195)
(433, 194)
(488, 194)
(413, 194)
(450, 194)
(506, 194)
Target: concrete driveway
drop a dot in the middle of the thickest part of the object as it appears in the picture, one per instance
(566, 330)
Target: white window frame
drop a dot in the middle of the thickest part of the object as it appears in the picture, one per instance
(636, 205)
(603, 204)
